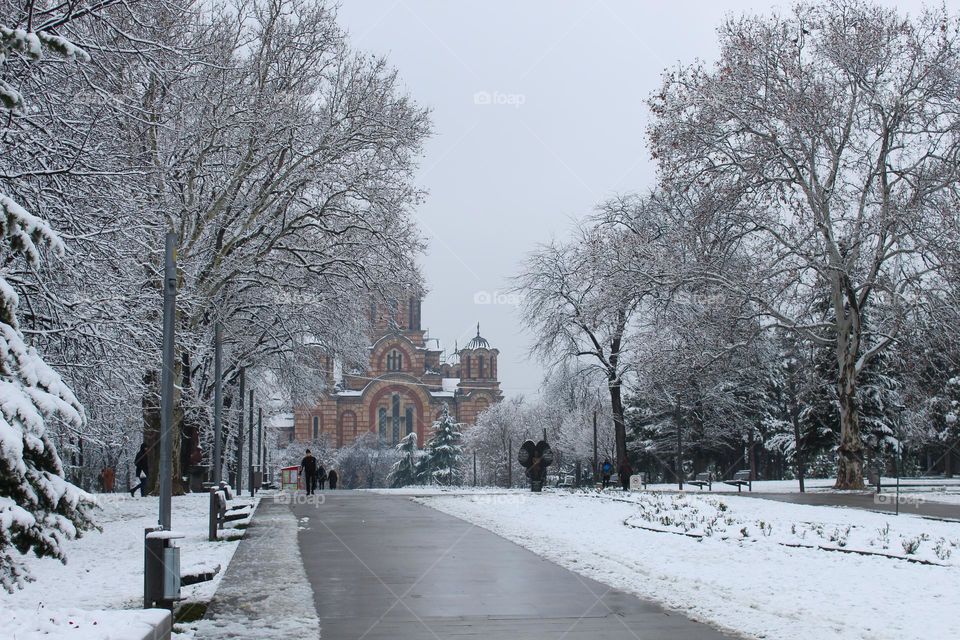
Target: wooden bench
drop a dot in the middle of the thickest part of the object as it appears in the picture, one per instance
(703, 480)
(740, 480)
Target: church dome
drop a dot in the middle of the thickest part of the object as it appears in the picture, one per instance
(479, 342)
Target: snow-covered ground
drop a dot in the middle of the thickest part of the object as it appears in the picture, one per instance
(104, 570)
(762, 568)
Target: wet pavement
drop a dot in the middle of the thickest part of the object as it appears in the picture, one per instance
(386, 567)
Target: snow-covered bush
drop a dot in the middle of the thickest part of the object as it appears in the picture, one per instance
(404, 471)
(442, 459)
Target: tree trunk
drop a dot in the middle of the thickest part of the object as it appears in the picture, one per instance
(850, 451)
(679, 462)
(619, 425)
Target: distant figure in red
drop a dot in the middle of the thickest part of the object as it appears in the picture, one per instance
(107, 479)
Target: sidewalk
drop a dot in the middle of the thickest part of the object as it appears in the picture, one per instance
(384, 567)
(265, 593)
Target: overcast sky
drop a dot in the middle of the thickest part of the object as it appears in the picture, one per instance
(539, 114)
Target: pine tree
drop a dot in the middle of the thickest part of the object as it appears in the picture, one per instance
(405, 470)
(39, 509)
(442, 458)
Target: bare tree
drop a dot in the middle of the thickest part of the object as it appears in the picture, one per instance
(836, 127)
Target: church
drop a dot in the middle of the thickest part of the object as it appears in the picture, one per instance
(405, 385)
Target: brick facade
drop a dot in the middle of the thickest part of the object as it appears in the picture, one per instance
(405, 384)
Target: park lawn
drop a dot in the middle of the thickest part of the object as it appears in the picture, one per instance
(104, 569)
(760, 568)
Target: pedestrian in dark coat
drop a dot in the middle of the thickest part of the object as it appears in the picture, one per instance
(625, 472)
(308, 468)
(332, 477)
(142, 468)
(321, 476)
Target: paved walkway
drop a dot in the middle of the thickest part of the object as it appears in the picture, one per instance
(886, 502)
(384, 567)
(265, 593)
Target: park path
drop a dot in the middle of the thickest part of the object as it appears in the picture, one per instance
(886, 502)
(384, 567)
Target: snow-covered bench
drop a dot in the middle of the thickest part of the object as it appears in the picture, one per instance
(740, 480)
(703, 480)
(220, 514)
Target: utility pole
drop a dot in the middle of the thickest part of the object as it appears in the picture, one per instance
(260, 441)
(243, 374)
(166, 378)
(593, 474)
(250, 448)
(510, 466)
(217, 401)
(474, 468)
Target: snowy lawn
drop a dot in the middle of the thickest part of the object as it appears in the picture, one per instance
(762, 568)
(104, 570)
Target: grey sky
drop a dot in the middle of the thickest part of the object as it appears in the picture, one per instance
(564, 129)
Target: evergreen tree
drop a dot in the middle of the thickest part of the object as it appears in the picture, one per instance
(405, 470)
(39, 509)
(441, 460)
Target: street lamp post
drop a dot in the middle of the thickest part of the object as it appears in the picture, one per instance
(166, 378)
(217, 400)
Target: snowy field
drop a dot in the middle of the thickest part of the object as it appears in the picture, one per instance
(104, 570)
(761, 568)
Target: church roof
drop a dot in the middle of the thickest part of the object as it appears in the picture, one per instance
(479, 342)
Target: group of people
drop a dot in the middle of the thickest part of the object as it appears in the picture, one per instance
(624, 472)
(313, 473)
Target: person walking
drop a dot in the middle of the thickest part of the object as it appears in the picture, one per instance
(625, 472)
(332, 477)
(321, 476)
(141, 464)
(308, 469)
(606, 469)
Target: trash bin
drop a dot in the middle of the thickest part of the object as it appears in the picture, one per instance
(161, 569)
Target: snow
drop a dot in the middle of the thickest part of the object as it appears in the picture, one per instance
(83, 625)
(751, 584)
(113, 559)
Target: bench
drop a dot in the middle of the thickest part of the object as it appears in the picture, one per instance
(703, 480)
(220, 514)
(740, 480)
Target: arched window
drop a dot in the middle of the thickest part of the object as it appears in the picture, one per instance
(480, 366)
(394, 361)
(382, 421)
(411, 419)
(395, 414)
(316, 427)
